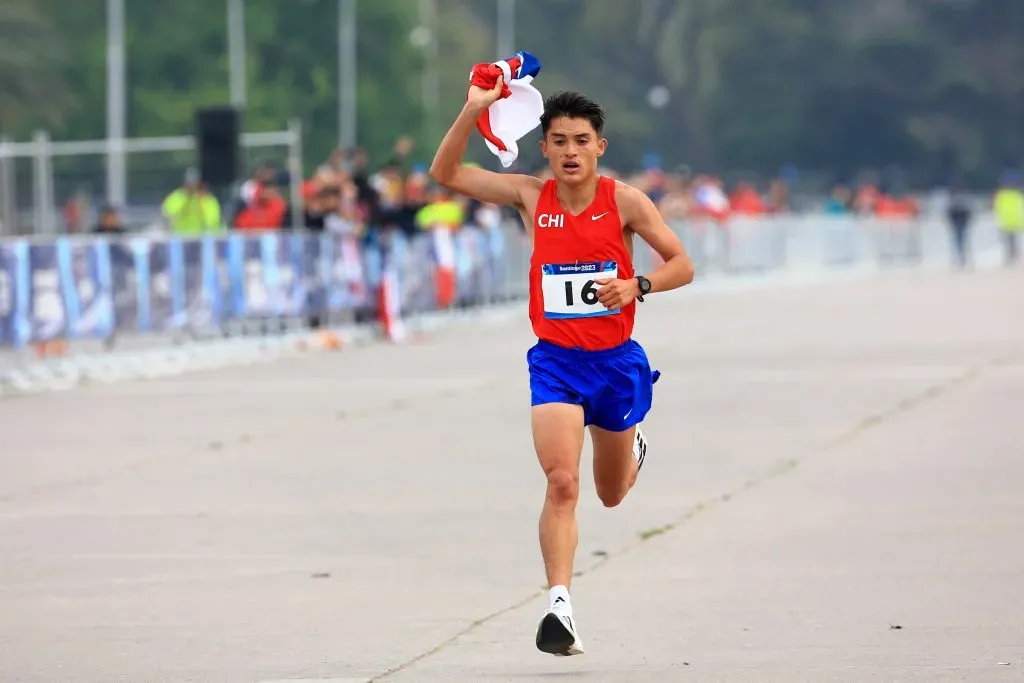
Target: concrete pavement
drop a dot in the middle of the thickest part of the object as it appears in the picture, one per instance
(831, 494)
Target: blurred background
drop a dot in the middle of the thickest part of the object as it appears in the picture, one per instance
(232, 190)
(206, 118)
(909, 94)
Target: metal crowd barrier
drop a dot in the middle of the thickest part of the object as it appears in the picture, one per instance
(95, 288)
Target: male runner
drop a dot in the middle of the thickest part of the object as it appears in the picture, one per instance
(585, 369)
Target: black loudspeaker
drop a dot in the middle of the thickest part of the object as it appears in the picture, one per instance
(217, 143)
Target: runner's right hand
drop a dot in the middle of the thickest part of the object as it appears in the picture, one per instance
(481, 98)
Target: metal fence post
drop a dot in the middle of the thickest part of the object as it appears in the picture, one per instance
(49, 191)
(295, 170)
(8, 203)
(39, 152)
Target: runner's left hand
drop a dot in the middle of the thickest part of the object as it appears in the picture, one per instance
(617, 294)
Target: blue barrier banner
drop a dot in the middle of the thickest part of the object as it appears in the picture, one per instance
(79, 289)
(470, 251)
(159, 283)
(195, 312)
(281, 266)
(247, 263)
(314, 271)
(294, 254)
(125, 282)
(13, 279)
(46, 312)
(416, 277)
(89, 290)
(217, 278)
(347, 284)
(92, 287)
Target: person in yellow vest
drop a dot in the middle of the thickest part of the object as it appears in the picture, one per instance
(1009, 213)
(190, 210)
(443, 216)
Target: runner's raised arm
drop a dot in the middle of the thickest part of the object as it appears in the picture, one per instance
(478, 183)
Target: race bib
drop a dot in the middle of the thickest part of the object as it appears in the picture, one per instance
(570, 290)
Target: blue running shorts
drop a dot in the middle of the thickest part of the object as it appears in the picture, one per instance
(614, 386)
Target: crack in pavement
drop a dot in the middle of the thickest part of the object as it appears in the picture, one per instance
(867, 423)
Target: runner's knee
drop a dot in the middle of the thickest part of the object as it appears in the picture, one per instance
(563, 487)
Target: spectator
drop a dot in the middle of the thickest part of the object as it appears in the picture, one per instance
(109, 222)
(265, 208)
(654, 183)
(1009, 210)
(840, 202)
(710, 200)
(443, 211)
(487, 219)
(318, 209)
(779, 200)
(959, 215)
(356, 162)
(443, 216)
(416, 186)
(251, 192)
(325, 176)
(387, 183)
(191, 210)
(76, 209)
(746, 200)
(677, 202)
(866, 199)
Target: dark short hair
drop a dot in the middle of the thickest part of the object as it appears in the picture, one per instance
(574, 106)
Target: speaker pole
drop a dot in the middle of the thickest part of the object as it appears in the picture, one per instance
(347, 73)
(295, 172)
(116, 174)
(236, 52)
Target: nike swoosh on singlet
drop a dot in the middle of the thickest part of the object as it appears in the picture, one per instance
(594, 218)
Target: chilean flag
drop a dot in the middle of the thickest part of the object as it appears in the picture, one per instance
(519, 108)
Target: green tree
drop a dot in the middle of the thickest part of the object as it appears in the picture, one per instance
(30, 87)
(930, 85)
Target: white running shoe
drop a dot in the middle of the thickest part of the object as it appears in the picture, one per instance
(556, 633)
(639, 448)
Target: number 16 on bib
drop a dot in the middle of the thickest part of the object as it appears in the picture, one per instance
(570, 290)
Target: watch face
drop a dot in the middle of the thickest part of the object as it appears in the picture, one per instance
(645, 285)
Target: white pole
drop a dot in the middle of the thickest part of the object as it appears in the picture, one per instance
(506, 28)
(49, 198)
(347, 73)
(430, 84)
(236, 52)
(295, 170)
(8, 211)
(116, 108)
(39, 183)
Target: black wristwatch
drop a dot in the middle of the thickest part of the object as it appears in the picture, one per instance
(645, 286)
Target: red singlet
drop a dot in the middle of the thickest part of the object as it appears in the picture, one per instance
(569, 253)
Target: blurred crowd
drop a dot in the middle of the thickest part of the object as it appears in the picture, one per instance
(345, 195)
(348, 194)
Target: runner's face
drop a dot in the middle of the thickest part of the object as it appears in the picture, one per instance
(572, 147)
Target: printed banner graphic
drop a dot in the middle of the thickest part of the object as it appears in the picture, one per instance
(73, 288)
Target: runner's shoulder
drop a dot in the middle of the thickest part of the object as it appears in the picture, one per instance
(529, 191)
(629, 200)
(628, 193)
(527, 183)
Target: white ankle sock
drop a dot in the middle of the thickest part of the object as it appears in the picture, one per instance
(558, 592)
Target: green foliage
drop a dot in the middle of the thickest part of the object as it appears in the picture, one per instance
(29, 86)
(931, 85)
